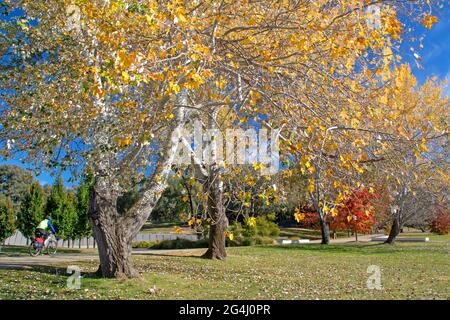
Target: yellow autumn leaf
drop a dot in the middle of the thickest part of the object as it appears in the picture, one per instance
(334, 212)
(125, 76)
(257, 166)
(251, 222)
(174, 87)
(423, 147)
(311, 186)
(429, 20)
(178, 230)
(195, 57)
(298, 216)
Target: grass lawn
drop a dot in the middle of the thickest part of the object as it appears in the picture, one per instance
(408, 271)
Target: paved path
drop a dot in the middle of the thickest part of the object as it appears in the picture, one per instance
(26, 262)
(361, 238)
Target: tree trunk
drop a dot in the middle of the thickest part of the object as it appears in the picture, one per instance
(395, 230)
(219, 224)
(87, 242)
(114, 250)
(325, 230)
(112, 234)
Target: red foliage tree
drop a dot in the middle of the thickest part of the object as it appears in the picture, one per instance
(356, 213)
(441, 221)
(310, 219)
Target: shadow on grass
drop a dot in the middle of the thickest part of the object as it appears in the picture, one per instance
(351, 248)
(49, 270)
(176, 253)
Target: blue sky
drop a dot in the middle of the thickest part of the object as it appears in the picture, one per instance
(436, 52)
(435, 62)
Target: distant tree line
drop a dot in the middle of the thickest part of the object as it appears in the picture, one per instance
(24, 203)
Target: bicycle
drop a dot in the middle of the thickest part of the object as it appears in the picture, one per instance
(39, 245)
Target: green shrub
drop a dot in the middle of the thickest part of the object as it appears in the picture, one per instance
(264, 232)
(180, 244)
(236, 229)
(266, 228)
(142, 244)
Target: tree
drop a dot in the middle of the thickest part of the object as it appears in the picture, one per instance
(7, 218)
(31, 211)
(338, 158)
(83, 227)
(69, 220)
(355, 213)
(174, 204)
(14, 183)
(415, 190)
(440, 223)
(413, 174)
(116, 96)
(60, 206)
(336, 114)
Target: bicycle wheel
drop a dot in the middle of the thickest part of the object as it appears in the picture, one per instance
(52, 247)
(34, 250)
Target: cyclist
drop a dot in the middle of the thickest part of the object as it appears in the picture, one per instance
(45, 225)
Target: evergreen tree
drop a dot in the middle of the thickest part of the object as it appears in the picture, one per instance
(14, 183)
(55, 206)
(31, 210)
(61, 207)
(7, 223)
(69, 218)
(83, 227)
